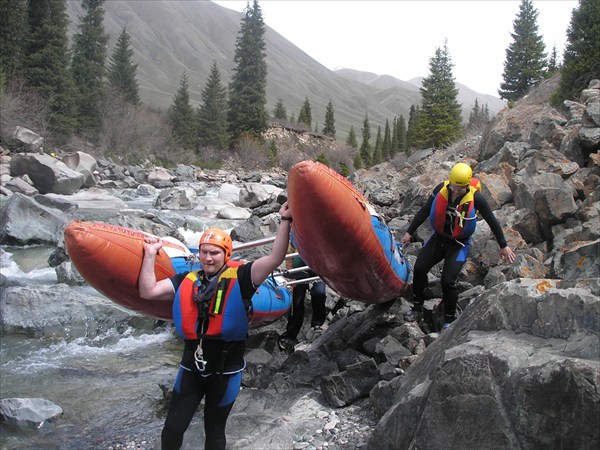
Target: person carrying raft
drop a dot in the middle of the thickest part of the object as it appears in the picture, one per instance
(451, 209)
(210, 312)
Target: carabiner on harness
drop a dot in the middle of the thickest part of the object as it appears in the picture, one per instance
(199, 358)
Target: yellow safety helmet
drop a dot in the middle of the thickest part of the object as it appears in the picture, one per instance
(461, 174)
(219, 238)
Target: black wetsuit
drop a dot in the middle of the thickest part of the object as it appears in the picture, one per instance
(218, 384)
(453, 252)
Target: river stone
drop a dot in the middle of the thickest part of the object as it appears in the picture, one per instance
(28, 411)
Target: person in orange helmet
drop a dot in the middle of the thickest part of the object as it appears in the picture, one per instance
(451, 209)
(210, 312)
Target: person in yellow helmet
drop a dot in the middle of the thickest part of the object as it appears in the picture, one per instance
(451, 209)
(210, 310)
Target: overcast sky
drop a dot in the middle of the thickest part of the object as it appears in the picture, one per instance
(398, 37)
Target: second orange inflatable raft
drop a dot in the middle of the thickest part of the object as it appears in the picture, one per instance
(339, 236)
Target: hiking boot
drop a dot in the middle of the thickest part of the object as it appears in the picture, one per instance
(415, 314)
(286, 343)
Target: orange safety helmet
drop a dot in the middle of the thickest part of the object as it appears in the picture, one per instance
(219, 238)
(461, 174)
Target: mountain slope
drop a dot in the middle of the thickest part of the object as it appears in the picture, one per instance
(169, 36)
(466, 95)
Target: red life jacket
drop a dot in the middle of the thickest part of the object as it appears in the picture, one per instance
(227, 313)
(464, 217)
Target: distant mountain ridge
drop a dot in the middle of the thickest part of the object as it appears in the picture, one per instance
(170, 36)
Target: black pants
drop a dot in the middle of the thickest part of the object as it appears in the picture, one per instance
(296, 315)
(454, 256)
(189, 390)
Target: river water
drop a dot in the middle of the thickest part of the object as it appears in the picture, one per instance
(107, 386)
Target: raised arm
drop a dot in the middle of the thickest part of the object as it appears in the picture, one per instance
(262, 267)
(149, 288)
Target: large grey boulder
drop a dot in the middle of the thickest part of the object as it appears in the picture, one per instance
(31, 412)
(27, 139)
(93, 203)
(24, 220)
(518, 369)
(47, 173)
(84, 163)
(255, 194)
(59, 311)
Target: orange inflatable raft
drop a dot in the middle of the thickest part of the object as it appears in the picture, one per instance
(109, 258)
(339, 236)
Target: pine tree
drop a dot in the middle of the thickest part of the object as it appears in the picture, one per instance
(248, 87)
(402, 139)
(553, 65)
(122, 70)
(365, 147)
(273, 154)
(440, 121)
(88, 66)
(414, 117)
(181, 116)
(394, 146)
(377, 156)
(386, 145)
(581, 59)
(351, 139)
(47, 61)
(305, 115)
(329, 128)
(478, 117)
(279, 112)
(13, 30)
(212, 112)
(525, 58)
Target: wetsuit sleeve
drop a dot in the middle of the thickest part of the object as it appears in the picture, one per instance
(177, 279)
(484, 209)
(245, 281)
(423, 213)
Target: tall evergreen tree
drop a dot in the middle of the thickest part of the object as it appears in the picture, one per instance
(478, 117)
(122, 70)
(305, 115)
(13, 30)
(47, 60)
(386, 145)
(212, 113)
(181, 116)
(279, 112)
(553, 66)
(440, 122)
(351, 139)
(525, 58)
(329, 128)
(402, 139)
(88, 66)
(581, 59)
(365, 147)
(248, 87)
(394, 146)
(412, 139)
(377, 156)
